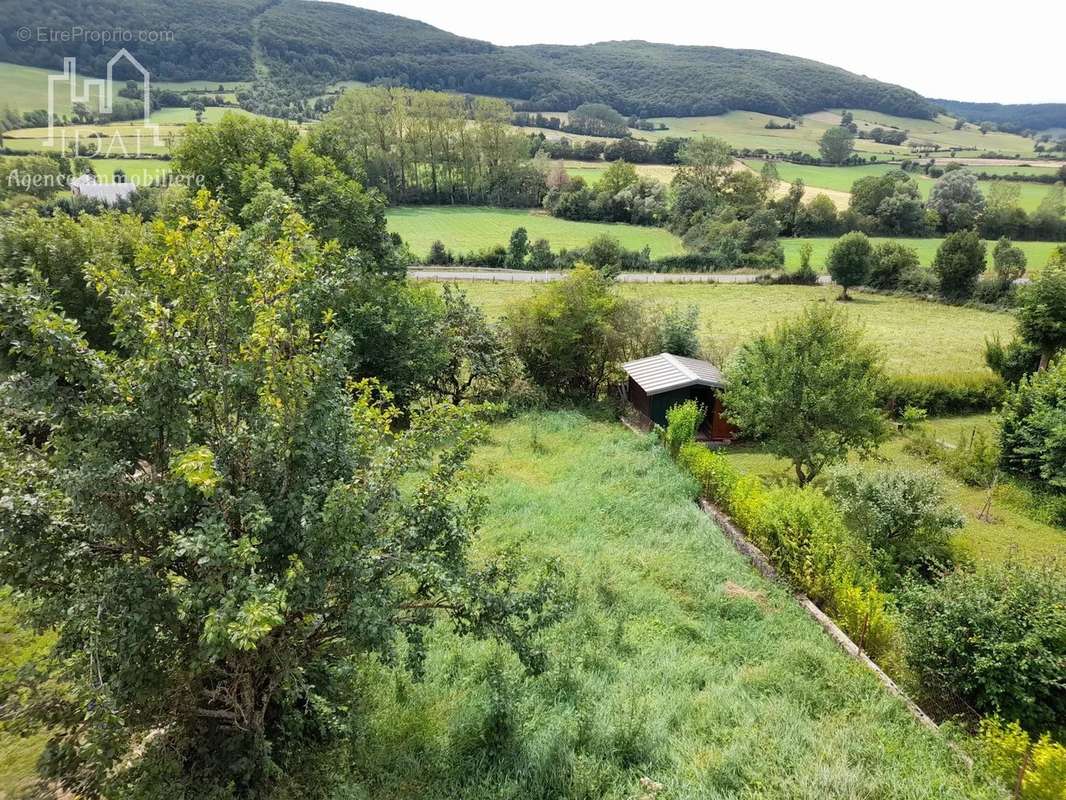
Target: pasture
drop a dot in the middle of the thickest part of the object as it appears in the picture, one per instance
(1037, 253)
(676, 663)
(472, 228)
(138, 170)
(916, 337)
(747, 130)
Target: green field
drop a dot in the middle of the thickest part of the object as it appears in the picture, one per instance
(465, 229)
(915, 336)
(138, 170)
(26, 88)
(677, 663)
(1036, 252)
(747, 130)
(1011, 531)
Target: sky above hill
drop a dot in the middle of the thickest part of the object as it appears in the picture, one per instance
(955, 49)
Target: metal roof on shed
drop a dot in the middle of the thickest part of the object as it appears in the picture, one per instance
(661, 373)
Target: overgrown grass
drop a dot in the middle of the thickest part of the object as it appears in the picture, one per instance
(677, 663)
(916, 337)
(473, 228)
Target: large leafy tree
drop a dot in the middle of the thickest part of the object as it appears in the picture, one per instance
(216, 521)
(958, 200)
(836, 145)
(809, 391)
(1033, 428)
(958, 263)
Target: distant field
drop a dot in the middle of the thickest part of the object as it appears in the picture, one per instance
(591, 171)
(138, 170)
(26, 88)
(469, 228)
(745, 129)
(1036, 252)
(915, 336)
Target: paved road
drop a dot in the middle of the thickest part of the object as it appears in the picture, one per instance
(526, 276)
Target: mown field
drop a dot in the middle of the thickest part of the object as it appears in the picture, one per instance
(1037, 253)
(916, 337)
(1011, 531)
(747, 130)
(470, 228)
(677, 663)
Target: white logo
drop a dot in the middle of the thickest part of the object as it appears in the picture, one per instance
(104, 92)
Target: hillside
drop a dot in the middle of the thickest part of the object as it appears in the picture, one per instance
(1019, 117)
(223, 39)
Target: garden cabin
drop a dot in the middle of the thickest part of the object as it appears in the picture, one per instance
(658, 382)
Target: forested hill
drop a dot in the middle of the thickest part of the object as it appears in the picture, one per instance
(1015, 118)
(221, 39)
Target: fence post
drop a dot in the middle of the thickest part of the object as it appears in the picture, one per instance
(1017, 794)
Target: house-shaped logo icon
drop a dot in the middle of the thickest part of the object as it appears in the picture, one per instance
(100, 89)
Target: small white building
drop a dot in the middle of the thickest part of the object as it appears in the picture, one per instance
(109, 193)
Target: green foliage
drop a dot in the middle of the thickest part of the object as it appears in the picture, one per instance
(37, 177)
(805, 536)
(518, 248)
(1033, 428)
(995, 638)
(572, 335)
(888, 264)
(959, 261)
(809, 390)
(676, 330)
(438, 254)
(1042, 313)
(1008, 751)
(246, 161)
(849, 261)
(901, 514)
(943, 394)
(836, 145)
(974, 460)
(682, 422)
(957, 200)
(56, 250)
(221, 527)
(1009, 261)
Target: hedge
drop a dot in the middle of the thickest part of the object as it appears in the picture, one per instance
(804, 534)
(944, 394)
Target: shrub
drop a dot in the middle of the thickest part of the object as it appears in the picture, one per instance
(540, 255)
(974, 460)
(1002, 748)
(438, 254)
(995, 638)
(676, 331)
(918, 280)
(959, 261)
(518, 248)
(944, 394)
(1012, 361)
(717, 478)
(901, 514)
(865, 615)
(888, 264)
(1033, 430)
(682, 421)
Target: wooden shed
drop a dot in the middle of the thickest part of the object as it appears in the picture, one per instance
(658, 382)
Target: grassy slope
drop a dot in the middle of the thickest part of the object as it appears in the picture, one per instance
(469, 228)
(1010, 531)
(916, 337)
(678, 663)
(745, 129)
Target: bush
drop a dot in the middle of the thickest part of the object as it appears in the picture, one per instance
(438, 254)
(1002, 749)
(1009, 260)
(1012, 361)
(944, 394)
(676, 330)
(889, 262)
(541, 256)
(995, 638)
(959, 261)
(901, 514)
(682, 421)
(918, 280)
(804, 535)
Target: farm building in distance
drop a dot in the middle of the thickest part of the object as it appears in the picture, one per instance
(108, 193)
(658, 382)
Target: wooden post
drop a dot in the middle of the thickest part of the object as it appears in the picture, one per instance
(1017, 794)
